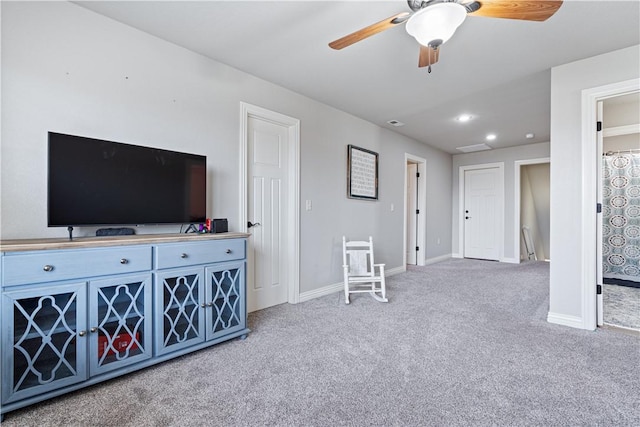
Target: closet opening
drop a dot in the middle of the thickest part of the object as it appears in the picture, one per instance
(533, 209)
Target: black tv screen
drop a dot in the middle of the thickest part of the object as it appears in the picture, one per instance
(97, 182)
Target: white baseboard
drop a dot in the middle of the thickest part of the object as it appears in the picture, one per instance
(507, 260)
(394, 271)
(440, 258)
(320, 292)
(338, 287)
(565, 320)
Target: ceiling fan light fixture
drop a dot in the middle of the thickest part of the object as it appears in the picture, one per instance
(435, 24)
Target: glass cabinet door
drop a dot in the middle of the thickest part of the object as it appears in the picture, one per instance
(45, 328)
(225, 299)
(120, 322)
(179, 313)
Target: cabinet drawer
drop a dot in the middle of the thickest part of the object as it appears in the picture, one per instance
(48, 266)
(192, 253)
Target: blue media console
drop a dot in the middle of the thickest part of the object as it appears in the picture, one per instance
(78, 313)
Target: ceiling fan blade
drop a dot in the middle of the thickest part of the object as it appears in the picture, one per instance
(428, 56)
(369, 31)
(532, 10)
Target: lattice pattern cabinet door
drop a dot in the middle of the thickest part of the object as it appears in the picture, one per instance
(179, 308)
(226, 300)
(45, 330)
(120, 322)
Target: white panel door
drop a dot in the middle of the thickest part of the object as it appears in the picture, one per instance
(482, 216)
(267, 154)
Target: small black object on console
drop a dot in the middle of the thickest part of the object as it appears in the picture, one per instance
(219, 225)
(123, 231)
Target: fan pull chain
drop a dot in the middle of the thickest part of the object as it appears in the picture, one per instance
(429, 69)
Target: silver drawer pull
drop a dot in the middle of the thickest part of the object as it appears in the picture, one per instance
(93, 329)
(48, 268)
(228, 251)
(124, 261)
(184, 256)
(82, 333)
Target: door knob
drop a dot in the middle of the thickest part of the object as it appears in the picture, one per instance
(252, 224)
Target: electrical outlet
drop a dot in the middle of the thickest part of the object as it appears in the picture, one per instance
(308, 205)
(438, 241)
(393, 208)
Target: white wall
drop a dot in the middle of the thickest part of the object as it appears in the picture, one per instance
(509, 156)
(567, 189)
(67, 69)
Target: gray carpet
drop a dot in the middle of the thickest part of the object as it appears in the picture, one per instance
(461, 343)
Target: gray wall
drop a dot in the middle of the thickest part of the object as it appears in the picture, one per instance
(509, 156)
(621, 111)
(621, 142)
(69, 70)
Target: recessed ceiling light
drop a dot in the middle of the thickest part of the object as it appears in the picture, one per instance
(530, 135)
(464, 117)
(491, 137)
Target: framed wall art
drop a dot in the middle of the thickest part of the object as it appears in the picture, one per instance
(362, 173)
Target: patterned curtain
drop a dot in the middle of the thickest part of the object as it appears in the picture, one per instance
(621, 220)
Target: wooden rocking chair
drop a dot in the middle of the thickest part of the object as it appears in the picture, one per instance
(360, 271)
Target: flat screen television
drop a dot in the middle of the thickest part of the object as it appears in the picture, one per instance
(92, 182)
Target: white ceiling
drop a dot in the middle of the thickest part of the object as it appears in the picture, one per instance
(497, 70)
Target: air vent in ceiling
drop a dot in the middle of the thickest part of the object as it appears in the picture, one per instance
(395, 123)
(472, 148)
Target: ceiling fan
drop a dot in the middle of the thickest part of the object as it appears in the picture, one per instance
(433, 22)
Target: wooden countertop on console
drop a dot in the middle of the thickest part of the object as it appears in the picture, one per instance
(94, 242)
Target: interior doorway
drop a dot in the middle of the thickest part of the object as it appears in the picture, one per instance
(415, 210)
(532, 213)
(618, 195)
(591, 158)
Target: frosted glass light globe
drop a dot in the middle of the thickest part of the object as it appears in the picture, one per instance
(434, 25)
